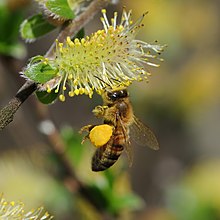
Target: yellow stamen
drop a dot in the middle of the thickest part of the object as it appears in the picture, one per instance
(48, 89)
(62, 98)
(71, 93)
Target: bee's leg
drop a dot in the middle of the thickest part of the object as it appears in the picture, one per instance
(99, 111)
(86, 128)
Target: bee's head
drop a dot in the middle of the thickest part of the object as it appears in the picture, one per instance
(118, 94)
(111, 96)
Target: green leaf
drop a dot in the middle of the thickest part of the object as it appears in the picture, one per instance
(40, 72)
(45, 97)
(60, 8)
(34, 27)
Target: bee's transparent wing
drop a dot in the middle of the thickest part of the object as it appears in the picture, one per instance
(143, 135)
(128, 148)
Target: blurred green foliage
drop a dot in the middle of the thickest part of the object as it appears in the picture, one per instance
(74, 148)
(196, 196)
(111, 188)
(104, 186)
(9, 29)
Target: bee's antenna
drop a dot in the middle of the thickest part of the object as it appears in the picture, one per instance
(115, 80)
(119, 82)
(103, 81)
(110, 87)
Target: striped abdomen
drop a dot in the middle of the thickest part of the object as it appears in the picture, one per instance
(108, 154)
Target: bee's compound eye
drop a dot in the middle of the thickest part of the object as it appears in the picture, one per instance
(113, 95)
(123, 93)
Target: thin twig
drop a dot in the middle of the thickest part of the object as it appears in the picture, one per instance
(7, 113)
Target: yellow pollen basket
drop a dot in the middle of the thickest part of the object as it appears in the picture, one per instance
(100, 135)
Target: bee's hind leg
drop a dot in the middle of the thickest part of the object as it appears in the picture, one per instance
(87, 129)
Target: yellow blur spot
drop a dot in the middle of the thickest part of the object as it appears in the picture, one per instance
(100, 134)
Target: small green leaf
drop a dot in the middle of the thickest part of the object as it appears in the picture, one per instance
(34, 27)
(45, 97)
(60, 8)
(40, 72)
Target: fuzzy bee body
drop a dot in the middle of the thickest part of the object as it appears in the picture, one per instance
(117, 112)
(105, 156)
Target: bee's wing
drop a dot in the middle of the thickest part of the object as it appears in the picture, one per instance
(127, 146)
(129, 152)
(143, 135)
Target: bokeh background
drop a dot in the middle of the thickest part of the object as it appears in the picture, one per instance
(180, 103)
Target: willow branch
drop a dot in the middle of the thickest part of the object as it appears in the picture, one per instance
(7, 113)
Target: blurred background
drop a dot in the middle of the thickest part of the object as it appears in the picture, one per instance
(181, 104)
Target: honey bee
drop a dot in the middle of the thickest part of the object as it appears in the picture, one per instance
(119, 119)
